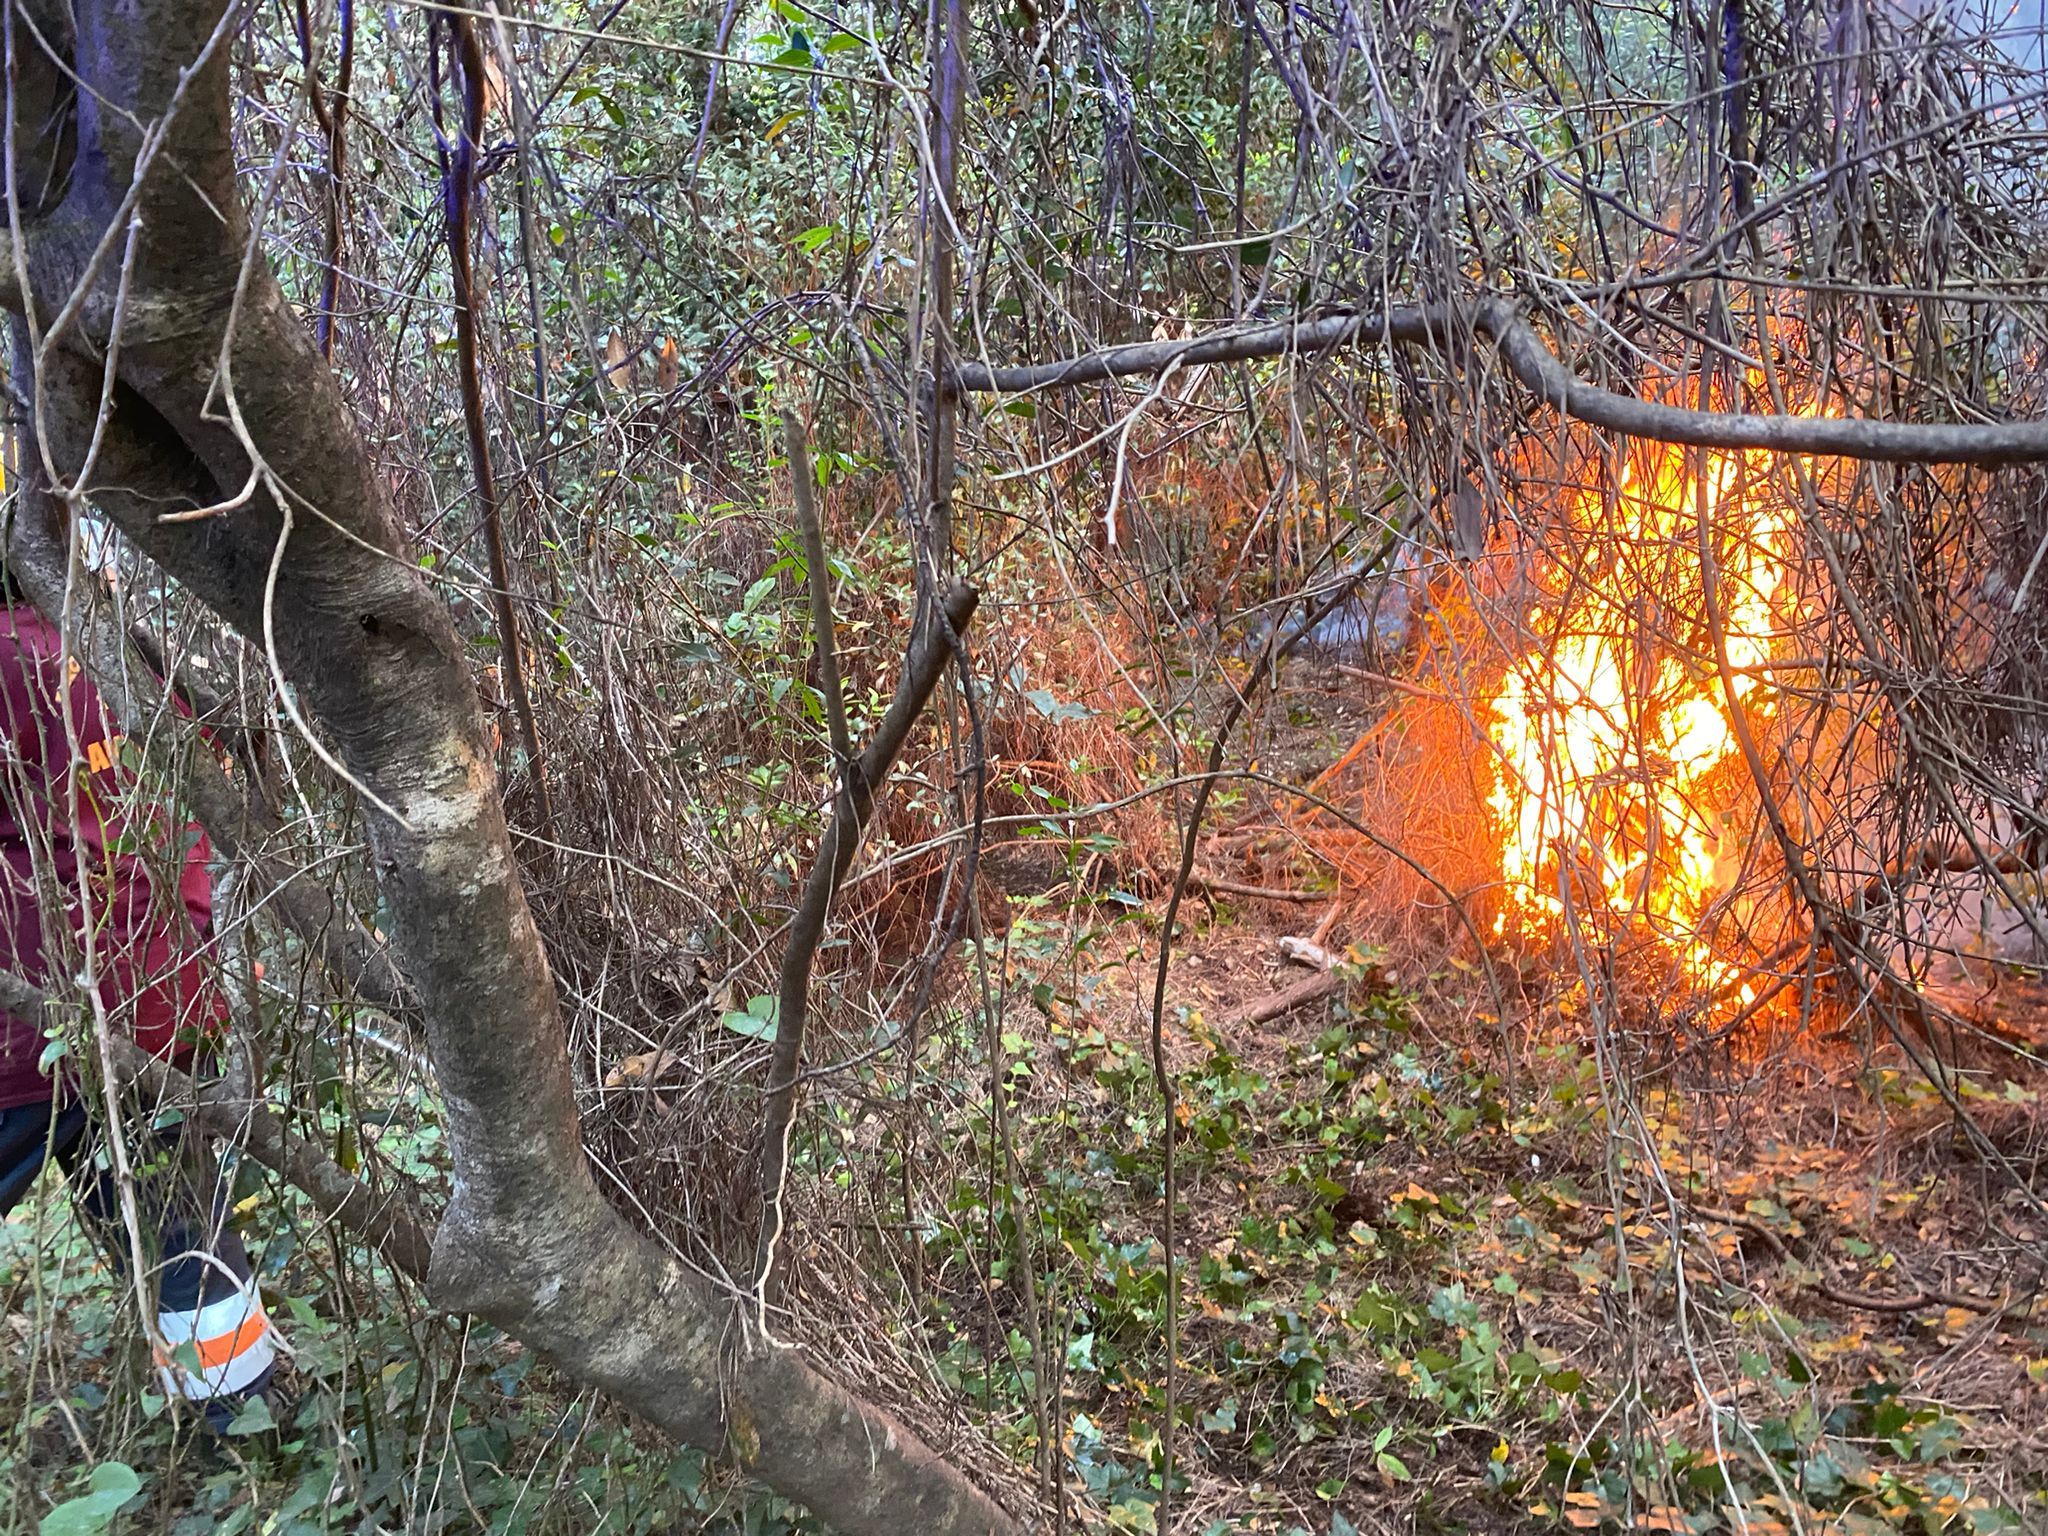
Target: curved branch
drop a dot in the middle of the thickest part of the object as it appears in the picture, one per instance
(388, 1220)
(539, 1251)
(1531, 360)
(527, 1240)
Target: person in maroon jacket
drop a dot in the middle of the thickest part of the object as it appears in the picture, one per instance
(76, 838)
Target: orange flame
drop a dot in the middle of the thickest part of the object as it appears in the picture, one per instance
(1610, 727)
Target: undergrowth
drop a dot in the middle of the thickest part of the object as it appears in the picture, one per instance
(1394, 1299)
(1403, 1288)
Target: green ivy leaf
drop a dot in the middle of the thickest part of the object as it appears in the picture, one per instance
(757, 1022)
(254, 1418)
(111, 1484)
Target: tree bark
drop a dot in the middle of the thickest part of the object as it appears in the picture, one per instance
(242, 827)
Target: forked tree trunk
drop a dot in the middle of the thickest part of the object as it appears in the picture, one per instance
(218, 396)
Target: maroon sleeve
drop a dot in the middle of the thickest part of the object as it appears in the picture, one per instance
(78, 793)
(23, 808)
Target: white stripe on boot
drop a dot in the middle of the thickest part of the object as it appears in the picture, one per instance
(231, 1338)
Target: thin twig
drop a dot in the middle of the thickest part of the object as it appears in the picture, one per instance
(461, 172)
(333, 121)
(1852, 1299)
(818, 571)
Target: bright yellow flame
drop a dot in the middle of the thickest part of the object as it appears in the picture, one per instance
(1607, 728)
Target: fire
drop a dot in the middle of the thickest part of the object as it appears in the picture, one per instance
(1617, 760)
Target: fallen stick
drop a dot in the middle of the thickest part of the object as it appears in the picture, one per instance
(1286, 1001)
(1852, 1299)
(1224, 887)
(1413, 690)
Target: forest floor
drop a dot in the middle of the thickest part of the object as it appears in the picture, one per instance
(1760, 1290)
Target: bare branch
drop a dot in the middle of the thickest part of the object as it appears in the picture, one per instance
(461, 173)
(818, 569)
(930, 650)
(1854, 1300)
(1222, 887)
(238, 823)
(1537, 367)
(387, 1219)
(1279, 1004)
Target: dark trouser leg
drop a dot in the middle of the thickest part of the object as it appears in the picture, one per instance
(27, 1137)
(182, 1201)
(207, 1306)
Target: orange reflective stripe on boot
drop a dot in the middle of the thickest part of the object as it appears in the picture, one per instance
(231, 1338)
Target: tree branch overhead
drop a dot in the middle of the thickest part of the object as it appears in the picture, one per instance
(1538, 369)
